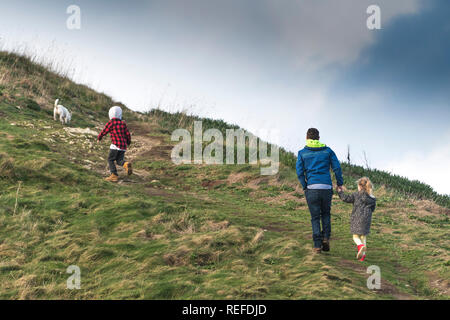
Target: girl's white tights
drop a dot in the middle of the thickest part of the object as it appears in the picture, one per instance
(359, 239)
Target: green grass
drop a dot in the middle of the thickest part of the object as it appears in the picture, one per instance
(180, 232)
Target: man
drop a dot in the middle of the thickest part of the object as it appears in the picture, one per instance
(313, 171)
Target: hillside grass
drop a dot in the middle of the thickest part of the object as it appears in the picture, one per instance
(180, 232)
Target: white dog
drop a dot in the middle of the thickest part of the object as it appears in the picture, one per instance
(64, 115)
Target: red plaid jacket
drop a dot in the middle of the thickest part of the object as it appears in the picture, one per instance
(120, 136)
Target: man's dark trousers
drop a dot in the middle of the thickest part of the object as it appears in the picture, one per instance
(319, 203)
(118, 156)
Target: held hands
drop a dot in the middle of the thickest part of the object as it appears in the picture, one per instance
(340, 188)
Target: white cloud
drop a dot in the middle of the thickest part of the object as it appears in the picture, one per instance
(430, 167)
(310, 33)
(318, 33)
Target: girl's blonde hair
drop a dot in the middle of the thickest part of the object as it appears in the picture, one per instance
(366, 185)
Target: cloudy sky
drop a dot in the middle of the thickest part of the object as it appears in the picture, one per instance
(278, 65)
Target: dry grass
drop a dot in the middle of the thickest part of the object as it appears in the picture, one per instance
(176, 239)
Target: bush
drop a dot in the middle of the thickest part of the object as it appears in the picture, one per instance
(6, 167)
(396, 183)
(29, 103)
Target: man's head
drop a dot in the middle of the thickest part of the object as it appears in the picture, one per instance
(312, 134)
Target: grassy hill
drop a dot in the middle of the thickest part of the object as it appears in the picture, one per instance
(187, 231)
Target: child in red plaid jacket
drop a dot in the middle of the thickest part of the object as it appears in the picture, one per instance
(120, 138)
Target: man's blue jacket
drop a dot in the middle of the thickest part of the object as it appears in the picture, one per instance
(313, 166)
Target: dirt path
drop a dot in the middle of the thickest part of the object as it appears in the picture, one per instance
(386, 286)
(143, 145)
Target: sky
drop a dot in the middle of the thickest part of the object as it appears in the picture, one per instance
(281, 66)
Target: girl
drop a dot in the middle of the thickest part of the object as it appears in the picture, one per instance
(364, 204)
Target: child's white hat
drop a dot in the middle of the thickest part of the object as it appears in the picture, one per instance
(115, 112)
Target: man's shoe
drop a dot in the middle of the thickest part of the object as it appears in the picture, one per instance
(326, 245)
(113, 178)
(128, 168)
(317, 250)
(361, 249)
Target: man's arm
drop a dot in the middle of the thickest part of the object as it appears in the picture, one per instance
(301, 171)
(336, 166)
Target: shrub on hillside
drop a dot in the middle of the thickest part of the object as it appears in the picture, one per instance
(29, 103)
(6, 167)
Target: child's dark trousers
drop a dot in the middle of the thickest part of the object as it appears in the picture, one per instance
(115, 156)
